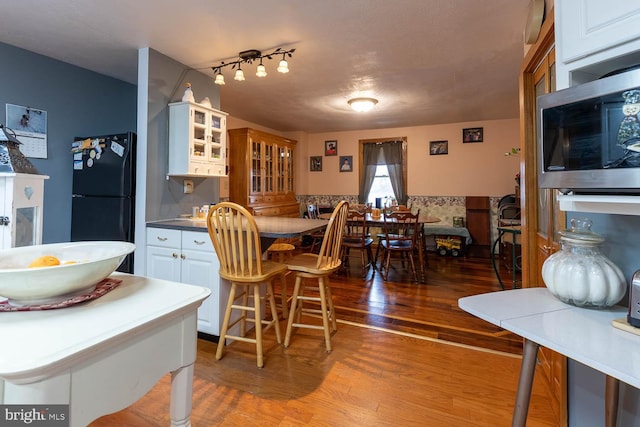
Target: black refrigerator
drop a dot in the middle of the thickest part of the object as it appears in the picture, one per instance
(103, 199)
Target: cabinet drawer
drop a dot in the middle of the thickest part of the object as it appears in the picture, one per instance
(196, 240)
(269, 199)
(255, 199)
(163, 237)
(270, 211)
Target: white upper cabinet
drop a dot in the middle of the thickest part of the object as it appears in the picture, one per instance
(594, 37)
(197, 140)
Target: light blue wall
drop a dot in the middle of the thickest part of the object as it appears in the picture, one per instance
(586, 385)
(78, 102)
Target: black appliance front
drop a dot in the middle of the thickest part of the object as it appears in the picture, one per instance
(105, 166)
(103, 218)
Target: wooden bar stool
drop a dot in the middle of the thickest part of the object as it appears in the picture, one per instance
(284, 251)
(318, 267)
(236, 239)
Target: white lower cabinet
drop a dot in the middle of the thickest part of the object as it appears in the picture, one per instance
(187, 257)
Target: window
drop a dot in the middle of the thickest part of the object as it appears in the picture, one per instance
(381, 186)
(384, 169)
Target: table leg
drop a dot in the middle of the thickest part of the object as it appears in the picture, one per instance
(493, 258)
(527, 369)
(612, 391)
(181, 392)
(513, 263)
(421, 257)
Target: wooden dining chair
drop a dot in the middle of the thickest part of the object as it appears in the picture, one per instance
(316, 236)
(401, 233)
(236, 240)
(317, 267)
(357, 237)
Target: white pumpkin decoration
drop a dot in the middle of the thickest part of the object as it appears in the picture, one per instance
(579, 274)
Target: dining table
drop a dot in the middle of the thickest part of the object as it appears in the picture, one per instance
(86, 359)
(378, 221)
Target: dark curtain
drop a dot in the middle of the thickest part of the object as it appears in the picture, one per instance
(370, 155)
(381, 153)
(392, 152)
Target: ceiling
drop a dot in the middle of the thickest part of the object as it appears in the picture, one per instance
(426, 61)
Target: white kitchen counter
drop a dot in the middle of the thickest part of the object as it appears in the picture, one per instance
(101, 356)
(584, 335)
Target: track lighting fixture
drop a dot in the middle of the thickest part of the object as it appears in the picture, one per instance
(247, 57)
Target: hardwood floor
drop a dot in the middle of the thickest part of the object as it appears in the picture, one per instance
(404, 355)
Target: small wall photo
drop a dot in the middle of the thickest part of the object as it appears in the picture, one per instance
(472, 135)
(346, 163)
(438, 147)
(315, 163)
(331, 148)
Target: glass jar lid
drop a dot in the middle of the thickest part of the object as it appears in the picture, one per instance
(580, 232)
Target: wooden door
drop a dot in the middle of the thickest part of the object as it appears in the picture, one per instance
(541, 216)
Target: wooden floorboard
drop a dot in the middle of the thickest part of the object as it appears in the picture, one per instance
(403, 355)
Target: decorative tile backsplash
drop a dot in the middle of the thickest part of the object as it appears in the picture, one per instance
(443, 207)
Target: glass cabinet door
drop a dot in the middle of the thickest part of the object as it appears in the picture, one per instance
(256, 167)
(199, 138)
(269, 167)
(290, 184)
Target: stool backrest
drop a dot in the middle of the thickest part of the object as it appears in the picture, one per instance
(329, 255)
(236, 239)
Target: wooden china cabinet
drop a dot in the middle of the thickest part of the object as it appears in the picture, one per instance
(262, 172)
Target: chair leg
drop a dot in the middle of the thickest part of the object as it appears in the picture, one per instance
(332, 310)
(294, 310)
(387, 261)
(283, 294)
(274, 311)
(225, 322)
(258, 324)
(325, 314)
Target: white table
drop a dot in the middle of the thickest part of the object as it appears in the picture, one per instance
(101, 356)
(584, 335)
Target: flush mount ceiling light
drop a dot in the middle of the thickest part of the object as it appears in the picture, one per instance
(248, 57)
(362, 105)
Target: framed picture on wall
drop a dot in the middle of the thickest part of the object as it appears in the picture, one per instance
(438, 147)
(315, 163)
(331, 148)
(472, 135)
(346, 163)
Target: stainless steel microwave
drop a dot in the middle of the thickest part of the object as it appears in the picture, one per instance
(589, 136)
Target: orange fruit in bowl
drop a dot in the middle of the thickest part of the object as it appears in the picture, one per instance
(44, 261)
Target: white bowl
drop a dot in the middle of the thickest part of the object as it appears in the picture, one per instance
(92, 262)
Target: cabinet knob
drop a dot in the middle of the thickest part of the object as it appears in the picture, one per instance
(182, 256)
(4, 220)
(199, 242)
(175, 255)
(162, 239)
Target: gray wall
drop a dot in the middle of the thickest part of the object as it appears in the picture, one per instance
(78, 102)
(586, 385)
(166, 84)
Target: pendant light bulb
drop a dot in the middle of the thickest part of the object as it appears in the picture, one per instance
(239, 75)
(219, 79)
(283, 67)
(261, 71)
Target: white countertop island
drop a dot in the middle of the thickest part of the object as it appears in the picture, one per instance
(100, 356)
